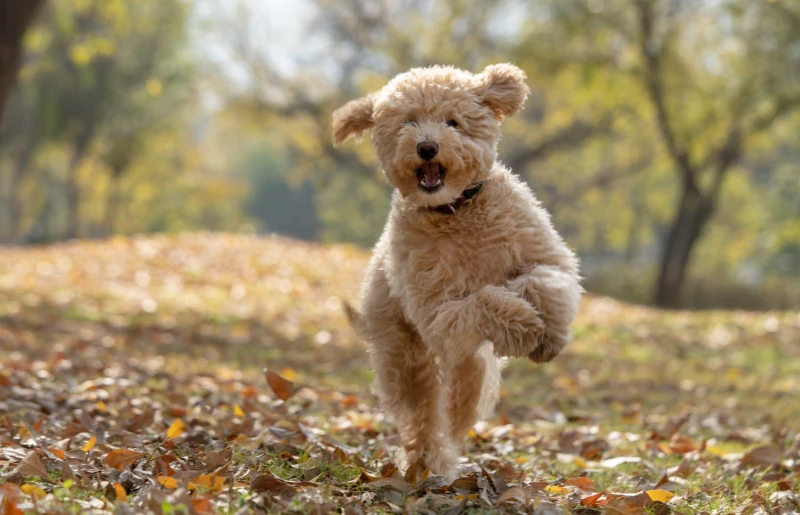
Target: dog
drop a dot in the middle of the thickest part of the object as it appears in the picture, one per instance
(469, 270)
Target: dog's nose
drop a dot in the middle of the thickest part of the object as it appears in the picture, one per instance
(427, 149)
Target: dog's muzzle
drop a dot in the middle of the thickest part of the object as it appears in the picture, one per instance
(431, 176)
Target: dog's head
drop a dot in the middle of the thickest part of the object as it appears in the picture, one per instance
(435, 129)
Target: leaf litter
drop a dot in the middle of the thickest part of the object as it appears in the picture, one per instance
(110, 404)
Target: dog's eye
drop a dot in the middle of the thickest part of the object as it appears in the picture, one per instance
(452, 123)
(409, 123)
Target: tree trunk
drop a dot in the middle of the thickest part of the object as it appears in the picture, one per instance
(15, 18)
(73, 187)
(112, 203)
(693, 213)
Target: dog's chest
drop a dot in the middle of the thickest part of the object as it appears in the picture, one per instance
(456, 264)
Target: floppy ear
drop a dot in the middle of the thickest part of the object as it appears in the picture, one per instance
(352, 119)
(502, 87)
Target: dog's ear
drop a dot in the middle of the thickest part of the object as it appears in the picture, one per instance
(502, 87)
(353, 119)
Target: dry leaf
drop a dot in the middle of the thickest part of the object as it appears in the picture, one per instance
(237, 411)
(32, 466)
(282, 387)
(90, 444)
(584, 483)
(167, 482)
(763, 457)
(176, 429)
(122, 495)
(516, 493)
(34, 491)
(121, 459)
(269, 483)
(593, 500)
(660, 495)
(58, 453)
(212, 482)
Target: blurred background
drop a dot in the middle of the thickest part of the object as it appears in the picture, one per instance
(661, 134)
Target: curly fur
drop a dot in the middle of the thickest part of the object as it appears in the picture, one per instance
(446, 297)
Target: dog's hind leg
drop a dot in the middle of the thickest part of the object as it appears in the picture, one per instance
(409, 382)
(474, 390)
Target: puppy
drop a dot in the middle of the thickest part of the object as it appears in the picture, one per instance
(469, 268)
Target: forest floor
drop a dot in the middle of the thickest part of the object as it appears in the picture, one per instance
(132, 380)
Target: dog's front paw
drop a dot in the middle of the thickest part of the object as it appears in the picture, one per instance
(547, 350)
(511, 323)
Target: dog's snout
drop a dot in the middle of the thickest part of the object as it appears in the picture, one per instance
(427, 149)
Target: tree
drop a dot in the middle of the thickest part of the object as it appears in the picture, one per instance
(15, 18)
(102, 75)
(713, 77)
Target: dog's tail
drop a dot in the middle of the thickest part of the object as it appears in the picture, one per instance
(353, 316)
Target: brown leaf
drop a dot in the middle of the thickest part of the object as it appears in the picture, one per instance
(584, 483)
(388, 470)
(624, 505)
(10, 507)
(392, 482)
(593, 500)
(32, 466)
(67, 472)
(282, 387)
(121, 459)
(766, 456)
(270, 484)
(466, 483)
(202, 505)
(141, 421)
(509, 473)
(516, 493)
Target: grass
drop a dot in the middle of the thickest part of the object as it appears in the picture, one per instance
(184, 325)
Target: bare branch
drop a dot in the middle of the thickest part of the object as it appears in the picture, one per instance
(652, 54)
(568, 137)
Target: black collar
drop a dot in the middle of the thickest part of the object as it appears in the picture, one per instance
(466, 196)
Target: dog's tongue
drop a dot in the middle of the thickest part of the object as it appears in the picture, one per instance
(431, 173)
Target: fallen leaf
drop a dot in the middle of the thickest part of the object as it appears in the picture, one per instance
(90, 444)
(237, 411)
(121, 459)
(593, 500)
(623, 505)
(122, 495)
(616, 462)
(167, 482)
(290, 374)
(212, 482)
(141, 421)
(555, 489)
(584, 483)
(10, 508)
(766, 456)
(176, 429)
(282, 387)
(34, 491)
(515, 493)
(32, 466)
(58, 453)
(202, 505)
(269, 483)
(660, 495)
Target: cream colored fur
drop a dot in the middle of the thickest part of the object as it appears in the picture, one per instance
(446, 296)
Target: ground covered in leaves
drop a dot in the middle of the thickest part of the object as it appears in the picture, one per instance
(132, 381)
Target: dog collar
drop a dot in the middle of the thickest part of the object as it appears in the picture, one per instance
(466, 196)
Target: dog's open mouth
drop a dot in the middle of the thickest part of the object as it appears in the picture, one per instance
(431, 177)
